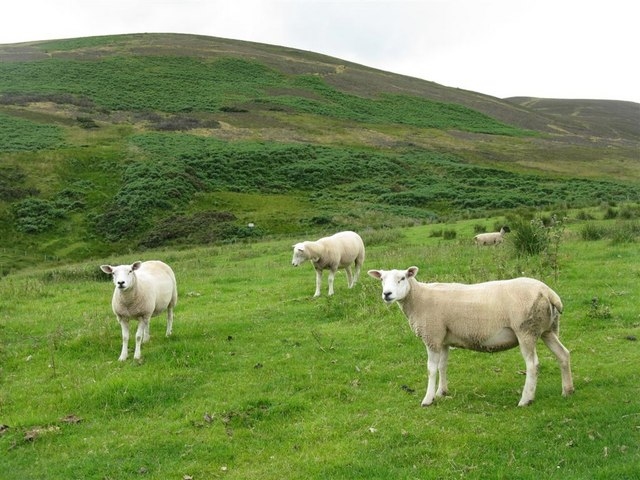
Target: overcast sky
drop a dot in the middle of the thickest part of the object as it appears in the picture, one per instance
(540, 48)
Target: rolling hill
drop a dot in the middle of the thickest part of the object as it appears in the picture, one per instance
(141, 141)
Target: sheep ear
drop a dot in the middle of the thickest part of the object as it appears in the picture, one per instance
(375, 274)
(412, 271)
(108, 269)
(136, 265)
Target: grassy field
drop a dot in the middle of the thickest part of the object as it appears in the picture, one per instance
(262, 381)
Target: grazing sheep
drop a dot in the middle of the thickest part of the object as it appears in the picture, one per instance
(142, 290)
(493, 238)
(486, 317)
(334, 252)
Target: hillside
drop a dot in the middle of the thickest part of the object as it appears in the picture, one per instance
(142, 141)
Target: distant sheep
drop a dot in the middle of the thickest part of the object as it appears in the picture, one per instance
(486, 317)
(142, 290)
(331, 253)
(493, 238)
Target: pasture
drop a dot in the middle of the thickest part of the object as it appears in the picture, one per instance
(260, 380)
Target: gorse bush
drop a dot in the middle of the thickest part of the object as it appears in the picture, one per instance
(200, 228)
(18, 135)
(147, 188)
(35, 215)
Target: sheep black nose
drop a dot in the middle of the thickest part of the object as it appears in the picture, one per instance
(121, 284)
(386, 295)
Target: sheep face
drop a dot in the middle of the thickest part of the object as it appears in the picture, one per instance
(395, 283)
(299, 255)
(123, 277)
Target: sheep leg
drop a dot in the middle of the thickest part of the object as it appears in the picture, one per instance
(433, 362)
(349, 276)
(564, 359)
(318, 282)
(124, 325)
(332, 276)
(143, 327)
(146, 335)
(169, 321)
(528, 349)
(358, 265)
(443, 386)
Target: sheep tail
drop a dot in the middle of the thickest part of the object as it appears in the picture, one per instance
(555, 301)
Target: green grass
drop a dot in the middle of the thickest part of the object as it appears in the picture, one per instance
(262, 381)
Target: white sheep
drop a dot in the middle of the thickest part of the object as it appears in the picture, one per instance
(337, 251)
(486, 317)
(492, 238)
(142, 290)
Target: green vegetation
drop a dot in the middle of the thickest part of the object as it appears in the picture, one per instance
(185, 84)
(260, 380)
(109, 144)
(215, 156)
(21, 135)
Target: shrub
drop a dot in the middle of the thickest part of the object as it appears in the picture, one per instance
(625, 232)
(449, 234)
(610, 213)
(200, 228)
(592, 232)
(147, 187)
(534, 237)
(530, 238)
(35, 215)
(17, 134)
(582, 215)
(87, 123)
(629, 212)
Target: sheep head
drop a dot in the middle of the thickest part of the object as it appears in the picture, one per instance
(122, 275)
(395, 283)
(299, 255)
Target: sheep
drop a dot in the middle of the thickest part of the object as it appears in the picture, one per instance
(492, 238)
(142, 290)
(334, 252)
(485, 317)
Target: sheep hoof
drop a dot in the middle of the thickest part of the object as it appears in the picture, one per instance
(426, 403)
(525, 403)
(122, 358)
(568, 391)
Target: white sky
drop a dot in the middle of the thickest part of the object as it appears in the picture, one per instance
(542, 48)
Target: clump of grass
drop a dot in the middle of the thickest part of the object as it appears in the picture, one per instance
(449, 234)
(620, 232)
(540, 236)
(530, 238)
(625, 232)
(591, 231)
(598, 311)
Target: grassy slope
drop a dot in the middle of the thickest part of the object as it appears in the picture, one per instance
(261, 381)
(74, 113)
